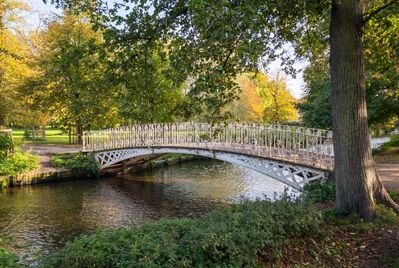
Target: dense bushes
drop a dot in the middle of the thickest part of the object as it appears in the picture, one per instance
(317, 191)
(7, 258)
(6, 145)
(233, 237)
(17, 163)
(393, 143)
(75, 161)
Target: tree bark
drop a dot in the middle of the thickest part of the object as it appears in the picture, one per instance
(358, 184)
(79, 132)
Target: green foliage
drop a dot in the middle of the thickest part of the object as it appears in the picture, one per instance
(75, 161)
(7, 258)
(392, 143)
(162, 98)
(6, 145)
(386, 216)
(394, 196)
(231, 237)
(320, 192)
(151, 164)
(208, 43)
(19, 162)
(316, 108)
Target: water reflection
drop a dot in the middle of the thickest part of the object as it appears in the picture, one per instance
(46, 216)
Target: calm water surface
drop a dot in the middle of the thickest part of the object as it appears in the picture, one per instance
(43, 217)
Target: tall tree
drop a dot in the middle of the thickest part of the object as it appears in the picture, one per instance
(358, 184)
(72, 82)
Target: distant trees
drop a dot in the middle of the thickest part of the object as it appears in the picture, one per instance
(71, 82)
(248, 106)
(13, 60)
(278, 103)
(85, 81)
(264, 99)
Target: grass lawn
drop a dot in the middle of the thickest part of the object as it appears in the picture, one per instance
(53, 136)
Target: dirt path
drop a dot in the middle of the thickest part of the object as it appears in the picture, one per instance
(44, 152)
(388, 168)
(45, 149)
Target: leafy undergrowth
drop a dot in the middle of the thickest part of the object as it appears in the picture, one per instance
(390, 147)
(233, 237)
(394, 196)
(346, 242)
(318, 192)
(285, 233)
(75, 161)
(19, 162)
(7, 257)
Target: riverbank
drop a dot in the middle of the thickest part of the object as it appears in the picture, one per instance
(285, 233)
(59, 163)
(57, 210)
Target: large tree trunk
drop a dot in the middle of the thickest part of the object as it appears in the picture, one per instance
(358, 184)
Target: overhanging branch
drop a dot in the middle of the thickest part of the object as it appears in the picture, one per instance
(374, 12)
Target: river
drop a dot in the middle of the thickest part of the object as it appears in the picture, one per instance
(43, 217)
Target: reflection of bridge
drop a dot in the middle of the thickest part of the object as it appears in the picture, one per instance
(290, 154)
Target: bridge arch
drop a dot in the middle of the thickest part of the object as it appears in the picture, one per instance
(287, 173)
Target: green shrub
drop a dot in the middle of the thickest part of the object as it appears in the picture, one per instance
(230, 237)
(320, 192)
(19, 162)
(392, 143)
(6, 145)
(386, 216)
(152, 164)
(7, 258)
(75, 161)
(394, 196)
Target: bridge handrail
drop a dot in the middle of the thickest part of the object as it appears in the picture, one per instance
(291, 143)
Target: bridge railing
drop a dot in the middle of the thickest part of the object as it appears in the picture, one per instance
(288, 143)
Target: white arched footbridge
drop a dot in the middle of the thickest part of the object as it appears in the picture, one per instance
(290, 154)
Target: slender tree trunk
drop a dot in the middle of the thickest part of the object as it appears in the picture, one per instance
(358, 184)
(79, 131)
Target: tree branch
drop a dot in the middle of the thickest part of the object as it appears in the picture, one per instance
(371, 14)
(232, 49)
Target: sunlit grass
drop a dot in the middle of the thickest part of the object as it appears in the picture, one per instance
(53, 136)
